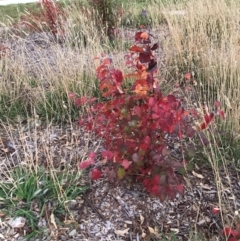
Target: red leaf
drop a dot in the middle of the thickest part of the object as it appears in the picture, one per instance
(217, 103)
(154, 190)
(152, 66)
(228, 231)
(92, 155)
(144, 57)
(233, 239)
(71, 96)
(106, 89)
(80, 101)
(203, 126)
(107, 61)
(235, 233)
(95, 174)
(137, 110)
(155, 46)
(137, 36)
(91, 100)
(180, 134)
(143, 146)
(171, 98)
(208, 118)
(170, 191)
(107, 154)
(117, 75)
(86, 164)
(147, 140)
(152, 101)
(89, 126)
(125, 163)
(180, 189)
(221, 113)
(144, 36)
(141, 82)
(155, 180)
(215, 210)
(137, 49)
(141, 87)
(188, 76)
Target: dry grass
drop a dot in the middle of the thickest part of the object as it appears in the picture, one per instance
(205, 41)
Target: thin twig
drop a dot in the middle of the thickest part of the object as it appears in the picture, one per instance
(91, 205)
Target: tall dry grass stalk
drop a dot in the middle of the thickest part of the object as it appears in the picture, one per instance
(206, 40)
(30, 73)
(33, 72)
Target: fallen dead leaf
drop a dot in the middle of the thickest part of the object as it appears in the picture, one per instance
(69, 221)
(201, 222)
(153, 231)
(121, 232)
(128, 222)
(141, 219)
(18, 222)
(52, 220)
(205, 186)
(175, 230)
(197, 175)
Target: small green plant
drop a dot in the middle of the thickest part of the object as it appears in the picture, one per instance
(12, 107)
(25, 192)
(135, 123)
(56, 107)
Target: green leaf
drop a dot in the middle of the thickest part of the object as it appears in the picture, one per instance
(190, 166)
(121, 172)
(182, 170)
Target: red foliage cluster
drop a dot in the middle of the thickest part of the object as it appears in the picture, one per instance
(50, 17)
(232, 234)
(229, 233)
(134, 123)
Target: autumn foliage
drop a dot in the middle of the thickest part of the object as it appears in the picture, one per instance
(232, 234)
(137, 122)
